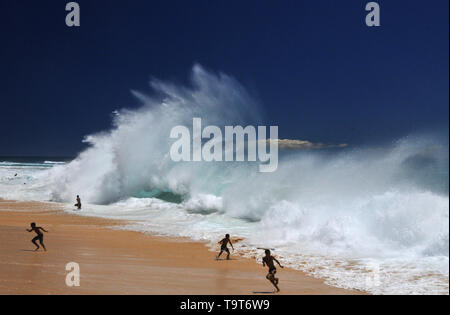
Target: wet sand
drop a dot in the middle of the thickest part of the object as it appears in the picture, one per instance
(124, 262)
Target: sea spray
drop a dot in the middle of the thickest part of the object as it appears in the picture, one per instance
(331, 212)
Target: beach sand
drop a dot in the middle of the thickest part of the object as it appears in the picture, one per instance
(123, 262)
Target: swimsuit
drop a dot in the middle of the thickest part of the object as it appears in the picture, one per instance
(224, 248)
(39, 237)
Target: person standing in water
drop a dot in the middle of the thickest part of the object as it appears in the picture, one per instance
(39, 236)
(268, 260)
(223, 246)
(78, 204)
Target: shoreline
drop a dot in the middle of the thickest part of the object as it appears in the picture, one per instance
(114, 261)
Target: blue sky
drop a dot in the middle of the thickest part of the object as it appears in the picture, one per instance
(319, 72)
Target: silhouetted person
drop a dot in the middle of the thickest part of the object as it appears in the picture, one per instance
(223, 247)
(78, 204)
(268, 260)
(39, 236)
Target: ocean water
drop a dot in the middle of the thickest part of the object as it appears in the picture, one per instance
(372, 218)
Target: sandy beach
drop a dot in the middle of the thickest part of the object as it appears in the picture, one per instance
(123, 262)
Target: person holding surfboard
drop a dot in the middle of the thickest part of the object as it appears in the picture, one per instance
(268, 260)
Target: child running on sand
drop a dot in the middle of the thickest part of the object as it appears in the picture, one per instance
(224, 248)
(268, 260)
(39, 235)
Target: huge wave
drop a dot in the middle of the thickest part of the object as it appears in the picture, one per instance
(387, 202)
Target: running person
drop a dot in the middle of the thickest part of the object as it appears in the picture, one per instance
(223, 247)
(39, 236)
(268, 260)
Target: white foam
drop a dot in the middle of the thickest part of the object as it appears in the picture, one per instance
(332, 214)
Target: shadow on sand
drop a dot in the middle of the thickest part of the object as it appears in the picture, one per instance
(263, 292)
